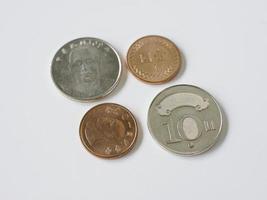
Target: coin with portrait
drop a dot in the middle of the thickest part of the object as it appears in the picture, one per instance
(108, 130)
(86, 69)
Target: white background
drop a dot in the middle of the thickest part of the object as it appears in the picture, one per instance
(224, 45)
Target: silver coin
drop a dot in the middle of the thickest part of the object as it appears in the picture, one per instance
(185, 119)
(86, 69)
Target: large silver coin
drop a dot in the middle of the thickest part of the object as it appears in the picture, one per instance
(86, 69)
(185, 119)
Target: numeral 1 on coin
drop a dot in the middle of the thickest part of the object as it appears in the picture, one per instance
(172, 136)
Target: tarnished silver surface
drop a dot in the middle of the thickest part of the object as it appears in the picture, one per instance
(185, 119)
(86, 69)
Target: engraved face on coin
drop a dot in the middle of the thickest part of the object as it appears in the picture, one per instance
(185, 119)
(154, 59)
(108, 130)
(86, 69)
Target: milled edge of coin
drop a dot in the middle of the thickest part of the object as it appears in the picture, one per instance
(181, 153)
(154, 82)
(96, 97)
(126, 151)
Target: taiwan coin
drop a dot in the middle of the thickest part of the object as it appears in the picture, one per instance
(86, 69)
(108, 130)
(154, 59)
(185, 119)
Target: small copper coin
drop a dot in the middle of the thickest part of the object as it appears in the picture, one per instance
(154, 59)
(108, 130)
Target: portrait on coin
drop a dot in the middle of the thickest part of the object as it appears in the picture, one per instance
(84, 67)
(105, 130)
(88, 72)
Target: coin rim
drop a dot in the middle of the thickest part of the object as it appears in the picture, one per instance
(114, 85)
(184, 153)
(127, 150)
(148, 81)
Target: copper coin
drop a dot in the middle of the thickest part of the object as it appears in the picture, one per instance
(154, 59)
(108, 130)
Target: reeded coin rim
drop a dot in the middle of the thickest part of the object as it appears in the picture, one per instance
(126, 151)
(94, 97)
(184, 153)
(160, 81)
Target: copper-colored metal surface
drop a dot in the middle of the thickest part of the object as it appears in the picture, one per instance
(154, 59)
(108, 130)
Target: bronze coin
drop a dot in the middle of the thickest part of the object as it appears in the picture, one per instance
(154, 59)
(108, 130)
